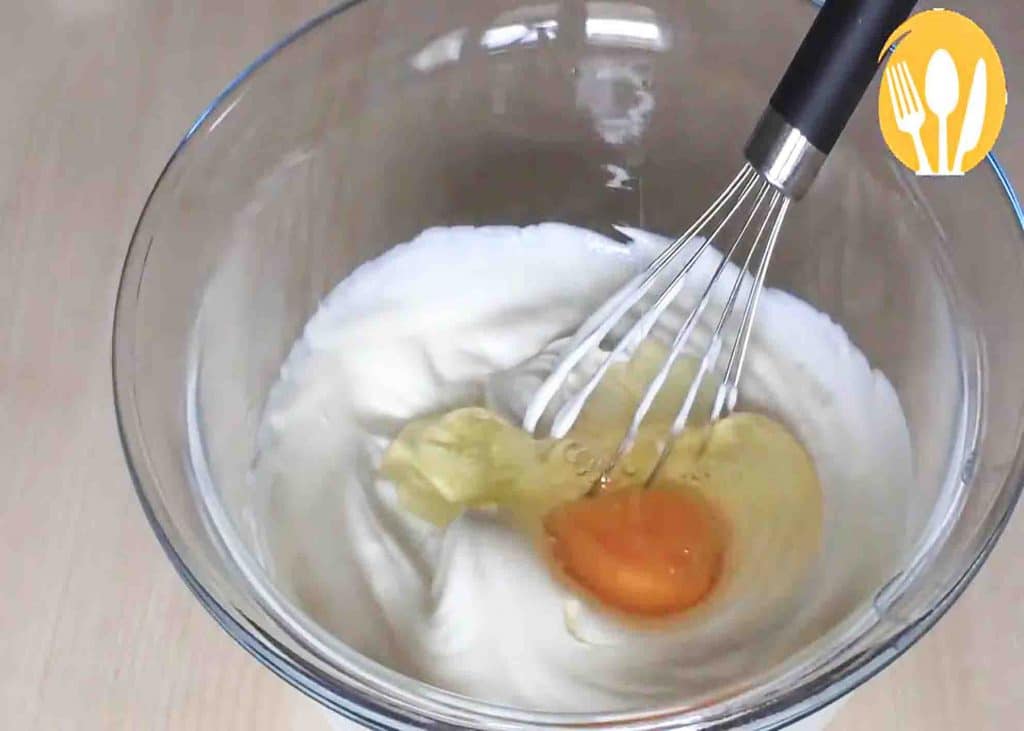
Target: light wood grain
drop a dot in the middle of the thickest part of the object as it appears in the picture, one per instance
(96, 631)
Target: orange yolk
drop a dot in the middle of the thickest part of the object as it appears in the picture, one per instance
(650, 552)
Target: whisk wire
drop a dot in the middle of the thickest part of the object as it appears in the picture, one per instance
(620, 303)
(725, 398)
(682, 338)
(763, 209)
(570, 411)
(713, 351)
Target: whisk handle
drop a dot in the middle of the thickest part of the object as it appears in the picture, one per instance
(819, 91)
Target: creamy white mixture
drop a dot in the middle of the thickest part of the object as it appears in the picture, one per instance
(449, 320)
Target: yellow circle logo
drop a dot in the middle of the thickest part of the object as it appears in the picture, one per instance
(942, 99)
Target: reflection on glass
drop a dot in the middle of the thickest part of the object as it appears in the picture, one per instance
(621, 179)
(442, 50)
(617, 95)
(521, 27)
(624, 24)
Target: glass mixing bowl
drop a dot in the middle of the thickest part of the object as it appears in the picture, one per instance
(379, 119)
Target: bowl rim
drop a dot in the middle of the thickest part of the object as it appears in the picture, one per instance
(796, 703)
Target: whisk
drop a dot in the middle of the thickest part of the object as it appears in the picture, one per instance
(808, 110)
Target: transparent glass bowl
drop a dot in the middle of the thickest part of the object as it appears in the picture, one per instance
(379, 119)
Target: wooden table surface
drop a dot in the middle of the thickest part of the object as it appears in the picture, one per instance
(96, 630)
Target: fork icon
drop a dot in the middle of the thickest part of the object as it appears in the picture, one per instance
(908, 110)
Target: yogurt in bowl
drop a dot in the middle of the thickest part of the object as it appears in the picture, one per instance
(456, 318)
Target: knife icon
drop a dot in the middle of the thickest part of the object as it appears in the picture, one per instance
(974, 117)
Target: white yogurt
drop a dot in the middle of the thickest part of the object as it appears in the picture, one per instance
(474, 609)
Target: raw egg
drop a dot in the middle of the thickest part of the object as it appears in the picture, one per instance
(650, 552)
(737, 506)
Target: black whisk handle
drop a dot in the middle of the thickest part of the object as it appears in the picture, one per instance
(822, 86)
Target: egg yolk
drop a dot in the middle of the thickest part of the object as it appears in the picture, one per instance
(650, 552)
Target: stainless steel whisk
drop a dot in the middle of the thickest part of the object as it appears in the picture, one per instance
(809, 109)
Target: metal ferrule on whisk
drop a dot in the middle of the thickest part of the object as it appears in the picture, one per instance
(783, 155)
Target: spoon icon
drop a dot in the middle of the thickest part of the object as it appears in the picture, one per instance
(942, 94)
